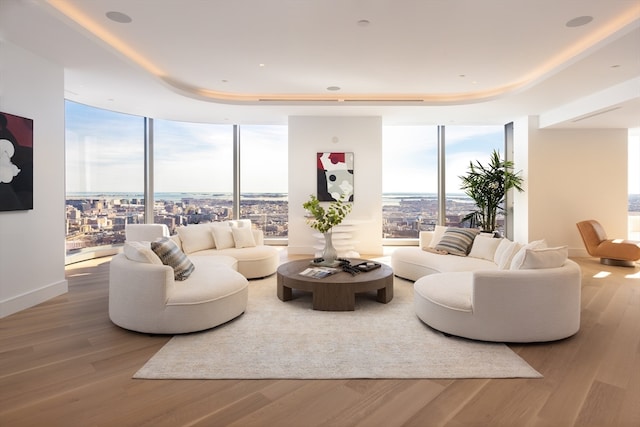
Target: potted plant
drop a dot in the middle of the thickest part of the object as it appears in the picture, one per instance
(487, 186)
(324, 220)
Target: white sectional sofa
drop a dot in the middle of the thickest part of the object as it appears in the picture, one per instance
(500, 291)
(236, 239)
(188, 282)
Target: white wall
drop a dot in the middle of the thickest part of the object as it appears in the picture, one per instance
(363, 137)
(32, 242)
(571, 175)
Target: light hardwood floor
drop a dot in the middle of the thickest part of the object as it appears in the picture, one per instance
(63, 363)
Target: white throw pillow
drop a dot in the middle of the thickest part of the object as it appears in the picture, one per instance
(545, 258)
(141, 252)
(518, 258)
(196, 237)
(223, 236)
(504, 261)
(438, 232)
(484, 247)
(243, 237)
(500, 250)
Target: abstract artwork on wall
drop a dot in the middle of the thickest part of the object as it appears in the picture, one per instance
(335, 176)
(16, 163)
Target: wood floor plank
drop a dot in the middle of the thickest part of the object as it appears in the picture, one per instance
(64, 363)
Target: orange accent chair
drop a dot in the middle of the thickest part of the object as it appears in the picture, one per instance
(618, 252)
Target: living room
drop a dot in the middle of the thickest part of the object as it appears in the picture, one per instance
(570, 173)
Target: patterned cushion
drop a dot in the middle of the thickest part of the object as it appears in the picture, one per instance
(171, 255)
(457, 241)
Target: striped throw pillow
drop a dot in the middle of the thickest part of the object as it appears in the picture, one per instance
(171, 255)
(457, 241)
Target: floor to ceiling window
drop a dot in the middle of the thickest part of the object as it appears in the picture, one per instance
(410, 176)
(465, 144)
(104, 175)
(192, 172)
(264, 178)
(409, 180)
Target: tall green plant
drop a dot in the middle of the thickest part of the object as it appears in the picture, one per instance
(324, 220)
(487, 186)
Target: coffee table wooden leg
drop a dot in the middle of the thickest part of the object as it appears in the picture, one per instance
(385, 294)
(284, 293)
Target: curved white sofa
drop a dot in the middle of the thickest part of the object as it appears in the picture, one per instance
(148, 296)
(145, 297)
(513, 300)
(236, 239)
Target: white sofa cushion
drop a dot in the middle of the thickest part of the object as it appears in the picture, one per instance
(171, 255)
(196, 237)
(484, 247)
(223, 235)
(518, 258)
(505, 252)
(243, 237)
(544, 258)
(438, 232)
(141, 252)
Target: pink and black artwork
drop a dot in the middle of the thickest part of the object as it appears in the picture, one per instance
(16, 163)
(335, 176)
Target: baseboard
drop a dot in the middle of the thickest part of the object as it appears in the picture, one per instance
(29, 299)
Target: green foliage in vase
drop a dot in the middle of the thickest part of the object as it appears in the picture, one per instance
(324, 220)
(487, 186)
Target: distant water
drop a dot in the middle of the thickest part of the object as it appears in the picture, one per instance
(387, 198)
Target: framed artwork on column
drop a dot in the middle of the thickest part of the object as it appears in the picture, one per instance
(335, 176)
(16, 163)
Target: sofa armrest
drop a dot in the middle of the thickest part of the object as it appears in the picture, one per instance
(137, 289)
(542, 294)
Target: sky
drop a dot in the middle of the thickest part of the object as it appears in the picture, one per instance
(105, 153)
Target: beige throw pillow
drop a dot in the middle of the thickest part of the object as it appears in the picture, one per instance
(545, 258)
(243, 237)
(141, 252)
(223, 236)
(484, 247)
(196, 237)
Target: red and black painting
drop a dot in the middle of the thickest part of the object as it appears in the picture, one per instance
(16, 163)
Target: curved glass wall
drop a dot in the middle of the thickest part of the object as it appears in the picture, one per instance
(465, 144)
(193, 173)
(104, 176)
(264, 179)
(409, 180)
(192, 169)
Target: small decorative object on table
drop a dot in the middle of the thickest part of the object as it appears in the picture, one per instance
(367, 266)
(324, 220)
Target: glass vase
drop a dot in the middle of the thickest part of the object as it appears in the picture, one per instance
(329, 253)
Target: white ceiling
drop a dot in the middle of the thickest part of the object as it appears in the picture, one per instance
(415, 62)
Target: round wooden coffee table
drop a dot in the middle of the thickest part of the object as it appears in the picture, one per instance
(336, 292)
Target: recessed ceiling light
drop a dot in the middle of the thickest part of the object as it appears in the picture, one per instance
(333, 88)
(615, 66)
(364, 22)
(261, 65)
(119, 17)
(579, 21)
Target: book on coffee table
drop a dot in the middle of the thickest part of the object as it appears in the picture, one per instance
(319, 272)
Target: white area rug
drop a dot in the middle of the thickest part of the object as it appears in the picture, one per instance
(275, 339)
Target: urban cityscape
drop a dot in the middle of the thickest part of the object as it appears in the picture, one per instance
(98, 220)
